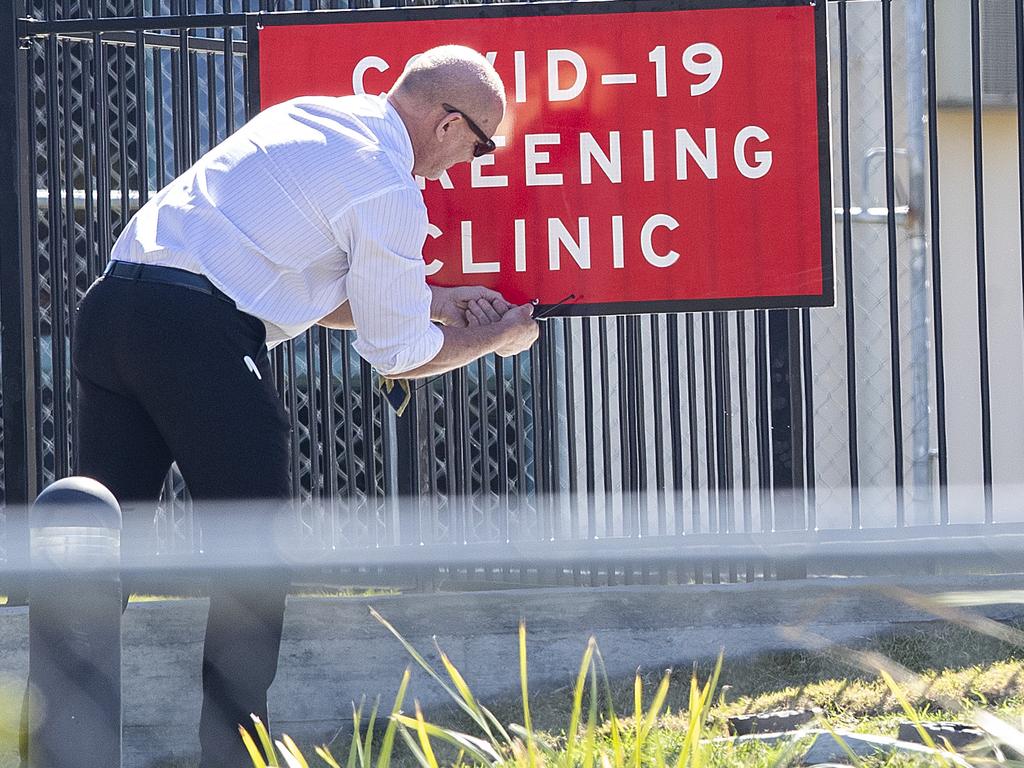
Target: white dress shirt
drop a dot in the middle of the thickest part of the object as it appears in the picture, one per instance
(309, 204)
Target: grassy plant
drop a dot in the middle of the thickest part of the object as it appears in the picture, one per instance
(601, 742)
(596, 735)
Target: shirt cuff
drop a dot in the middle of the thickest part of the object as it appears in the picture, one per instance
(414, 354)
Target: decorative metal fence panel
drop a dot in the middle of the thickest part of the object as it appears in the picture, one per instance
(621, 427)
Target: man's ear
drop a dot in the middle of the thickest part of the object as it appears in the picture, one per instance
(445, 125)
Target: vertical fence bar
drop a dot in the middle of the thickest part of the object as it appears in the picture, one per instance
(179, 95)
(639, 400)
(87, 55)
(808, 421)
(69, 246)
(315, 405)
(464, 430)
(588, 439)
(458, 498)
(229, 80)
(979, 229)
(851, 314)
(486, 412)
(100, 105)
(123, 125)
(707, 368)
(626, 443)
(213, 134)
(551, 434)
(141, 110)
(521, 504)
(408, 470)
(745, 457)
(625, 429)
(723, 429)
(936, 261)
(659, 437)
(606, 441)
(60, 257)
(366, 394)
(763, 428)
(159, 149)
(786, 437)
(16, 279)
(920, 427)
(43, 318)
(430, 534)
(330, 449)
(539, 454)
(481, 508)
(291, 398)
(501, 418)
(572, 457)
(894, 307)
(65, 257)
(675, 416)
(691, 413)
(349, 415)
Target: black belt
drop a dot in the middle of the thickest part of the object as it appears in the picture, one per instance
(155, 273)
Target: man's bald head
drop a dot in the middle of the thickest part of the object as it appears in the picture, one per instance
(461, 78)
(456, 75)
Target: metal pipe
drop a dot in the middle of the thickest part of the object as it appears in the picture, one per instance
(28, 28)
(851, 336)
(745, 455)
(832, 548)
(916, 45)
(154, 40)
(894, 310)
(933, 170)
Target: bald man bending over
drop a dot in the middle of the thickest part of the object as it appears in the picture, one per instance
(309, 213)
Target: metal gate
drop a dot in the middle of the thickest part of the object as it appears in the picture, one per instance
(675, 429)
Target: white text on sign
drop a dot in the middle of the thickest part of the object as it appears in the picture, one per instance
(701, 59)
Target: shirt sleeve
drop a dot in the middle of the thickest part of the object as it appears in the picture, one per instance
(387, 282)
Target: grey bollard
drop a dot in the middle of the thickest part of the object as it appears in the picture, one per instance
(74, 624)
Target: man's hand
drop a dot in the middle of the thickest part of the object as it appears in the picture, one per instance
(520, 330)
(514, 332)
(466, 305)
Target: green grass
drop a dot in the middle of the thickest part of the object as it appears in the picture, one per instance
(945, 672)
(956, 663)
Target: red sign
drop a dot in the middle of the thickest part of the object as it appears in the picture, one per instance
(649, 160)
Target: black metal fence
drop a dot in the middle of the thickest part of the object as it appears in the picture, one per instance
(664, 426)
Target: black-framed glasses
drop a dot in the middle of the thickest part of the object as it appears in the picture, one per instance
(484, 144)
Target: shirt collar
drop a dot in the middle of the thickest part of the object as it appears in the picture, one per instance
(397, 136)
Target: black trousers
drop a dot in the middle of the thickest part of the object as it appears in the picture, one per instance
(164, 373)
